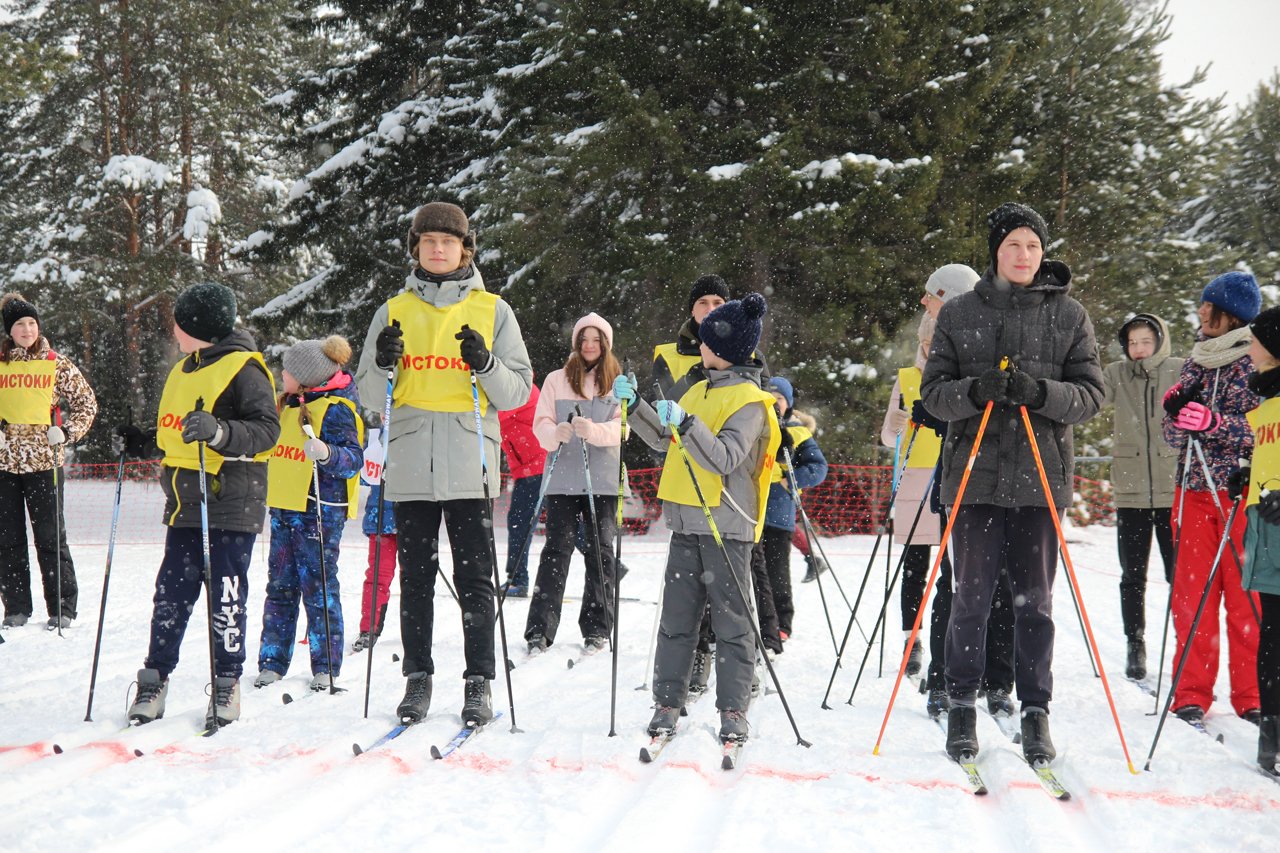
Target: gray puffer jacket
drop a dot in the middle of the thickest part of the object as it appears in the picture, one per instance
(1143, 466)
(734, 452)
(1045, 333)
(435, 456)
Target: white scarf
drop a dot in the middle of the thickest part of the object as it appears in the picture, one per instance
(1222, 350)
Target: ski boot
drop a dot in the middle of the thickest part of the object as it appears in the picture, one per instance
(1037, 747)
(915, 659)
(938, 702)
(1269, 744)
(267, 676)
(702, 664)
(225, 702)
(733, 726)
(1136, 665)
(477, 704)
(1192, 714)
(664, 720)
(56, 622)
(537, 644)
(591, 645)
(364, 641)
(962, 732)
(417, 698)
(320, 683)
(998, 702)
(817, 566)
(148, 705)
(16, 620)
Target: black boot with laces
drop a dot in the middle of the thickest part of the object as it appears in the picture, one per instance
(417, 698)
(477, 705)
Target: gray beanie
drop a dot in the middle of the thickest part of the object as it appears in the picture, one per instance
(312, 363)
(950, 281)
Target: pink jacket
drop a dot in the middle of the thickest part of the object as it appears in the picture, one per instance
(556, 388)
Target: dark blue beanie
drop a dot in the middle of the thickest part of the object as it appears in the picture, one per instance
(783, 387)
(733, 330)
(1236, 293)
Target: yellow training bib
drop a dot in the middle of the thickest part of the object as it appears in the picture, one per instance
(1264, 471)
(432, 374)
(799, 435)
(181, 390)
(26, 391)
(290, 474)
(678, 363)
(924, 453)
(714, 406)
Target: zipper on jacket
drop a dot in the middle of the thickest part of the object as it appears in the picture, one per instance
(1146, 449)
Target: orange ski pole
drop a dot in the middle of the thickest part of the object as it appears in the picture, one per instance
(937, 564)
(1071, 574)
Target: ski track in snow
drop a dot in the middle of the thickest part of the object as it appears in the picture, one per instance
(285, 773)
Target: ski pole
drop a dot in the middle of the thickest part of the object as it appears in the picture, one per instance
(897, 572)
(493, 550)
(937, 563)
(617, 561)
(813, 538)
(374, 627)
(1168, 608)
(106, 579)
(208, 578)
(1071, 576)
(533, 523)
(653, 635)
(1195, 626)
(57, 523)
(746, 601)
(890, 523)
(324, 572)
(862, 588)
(595, 538)
(1213, 492)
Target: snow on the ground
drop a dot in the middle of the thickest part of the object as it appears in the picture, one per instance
(287, 773)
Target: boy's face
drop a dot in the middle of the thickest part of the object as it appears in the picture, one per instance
(711, 360)
(779, 403)
(1019, 256)
(1261, 357)
(186, 343)
(704, 306)
(439, 253)
(1142, 343)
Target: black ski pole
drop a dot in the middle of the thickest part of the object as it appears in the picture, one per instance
(324, 571)
(1213, 492)
(1168, 608)
(106, 578)
(533, 522)
(617, 561)
(493, 550)
(813, 541)
(375, 629)
(595, 538)
(1195, 625)
(208, 580)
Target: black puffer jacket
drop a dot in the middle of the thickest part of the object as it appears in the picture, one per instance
(247, 412)
(1047, 334)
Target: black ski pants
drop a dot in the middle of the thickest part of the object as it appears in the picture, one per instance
(418, 547)
(989, 540)
(1269, 655)
(546, 599)
(777, 558)
(34, 495)
(1133, 539)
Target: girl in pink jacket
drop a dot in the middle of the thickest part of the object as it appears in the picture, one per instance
(574, 412)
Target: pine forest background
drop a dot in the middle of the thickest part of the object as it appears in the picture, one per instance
(827, 153)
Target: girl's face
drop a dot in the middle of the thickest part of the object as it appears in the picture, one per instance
(1019, 256)
(590, 345)
(1142, 343)
(932, 305)
(1262, 358)
(290, 383)
(25, 332)
(1212, 328)
(779, 403)
(439, 253)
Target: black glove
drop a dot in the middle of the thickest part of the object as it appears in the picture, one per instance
(1025, 390)
(1269, 507)
(129, 440)
(921, 418)
(390, 346)
(1236, 481)
(1177, 397)
(474, 352)
(201, 426)
(990, 386)
(788, 443)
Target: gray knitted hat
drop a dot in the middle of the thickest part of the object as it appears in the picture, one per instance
(312, 363)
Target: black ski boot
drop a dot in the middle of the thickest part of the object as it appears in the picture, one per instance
(1037, 747)
(998, 702)
(915, 659)
(665, 718)
(1268, 744)
(938, 702)
(1136, 665)
(962, 732)
(702, 664)
(477, 702)
(417, 699)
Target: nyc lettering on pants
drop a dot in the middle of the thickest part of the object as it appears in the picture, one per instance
(179, 584)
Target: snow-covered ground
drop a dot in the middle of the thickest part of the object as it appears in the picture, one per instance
(286, 774)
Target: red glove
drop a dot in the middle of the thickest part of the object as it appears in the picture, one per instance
(1197, 417)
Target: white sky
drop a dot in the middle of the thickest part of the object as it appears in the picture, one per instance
(1241, 38)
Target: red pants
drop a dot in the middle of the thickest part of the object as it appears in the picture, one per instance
(386, 572)
(1200, 537)
(800, 540)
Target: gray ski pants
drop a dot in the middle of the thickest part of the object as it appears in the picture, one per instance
(696, 573)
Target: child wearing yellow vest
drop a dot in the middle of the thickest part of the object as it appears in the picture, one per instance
(222, 395)
(318, 394)
(34, 383)
(1262, 531)
(434, 336)
(730, 433)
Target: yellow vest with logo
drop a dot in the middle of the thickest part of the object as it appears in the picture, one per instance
(677, 362)
(1264, 471)
(290, 474)
(432, 374)
(799, 435)
(26, 390)
(714, 406)
(181, 390)
(924, 453)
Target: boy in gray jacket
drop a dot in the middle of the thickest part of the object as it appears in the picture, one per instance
(730, 432)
